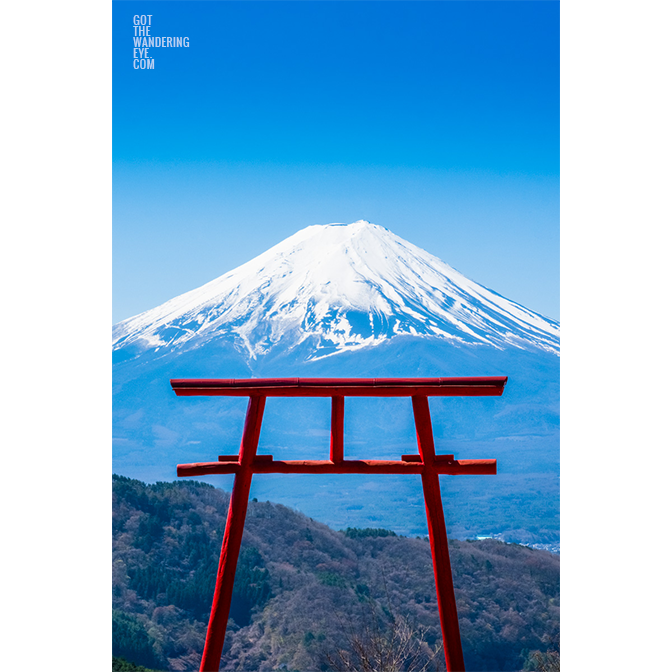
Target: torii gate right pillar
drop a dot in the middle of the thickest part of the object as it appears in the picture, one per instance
(438, 539)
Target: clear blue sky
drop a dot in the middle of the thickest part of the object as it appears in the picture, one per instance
(437, 120)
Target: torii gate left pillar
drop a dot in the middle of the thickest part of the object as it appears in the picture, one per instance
(426, 463)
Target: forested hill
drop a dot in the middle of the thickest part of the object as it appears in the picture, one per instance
(304, 592)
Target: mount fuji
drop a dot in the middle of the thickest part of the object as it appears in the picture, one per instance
(350, 300)
(337, 288)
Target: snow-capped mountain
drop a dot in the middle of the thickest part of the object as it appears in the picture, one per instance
(350, 301)
(339, 288)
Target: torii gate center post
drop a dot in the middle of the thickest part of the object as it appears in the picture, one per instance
(426, 463)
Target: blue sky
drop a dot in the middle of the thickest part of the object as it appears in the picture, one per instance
(437, 120)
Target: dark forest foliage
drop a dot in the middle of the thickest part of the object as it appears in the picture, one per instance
(360, 533)
(122, 665)
(298, 582)
(131, 639)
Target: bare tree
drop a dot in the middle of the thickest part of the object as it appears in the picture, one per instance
(545, 661)
(548, 661)
(384, 642)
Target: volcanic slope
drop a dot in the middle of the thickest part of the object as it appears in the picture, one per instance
(342, 288)
(350, 300)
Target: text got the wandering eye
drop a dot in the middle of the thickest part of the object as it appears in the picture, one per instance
(143, 40)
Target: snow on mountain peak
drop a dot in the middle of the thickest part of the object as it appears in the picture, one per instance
(341, 287)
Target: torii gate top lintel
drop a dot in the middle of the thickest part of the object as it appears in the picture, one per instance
(346, 387)
(425, 463)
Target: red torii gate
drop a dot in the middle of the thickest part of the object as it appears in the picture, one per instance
(426, 463)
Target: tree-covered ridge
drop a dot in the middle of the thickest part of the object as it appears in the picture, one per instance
(298, 582)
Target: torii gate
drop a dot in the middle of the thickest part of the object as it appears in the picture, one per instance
(426, 463)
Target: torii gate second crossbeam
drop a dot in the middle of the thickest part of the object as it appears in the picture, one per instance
(426, 463)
